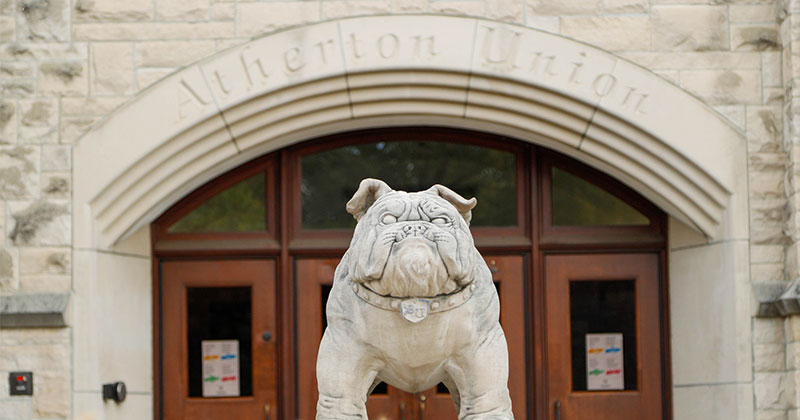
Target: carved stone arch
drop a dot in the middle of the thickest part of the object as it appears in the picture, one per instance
(401, 70)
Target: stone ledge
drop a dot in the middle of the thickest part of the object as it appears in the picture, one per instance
(33, 310)
(777, 300)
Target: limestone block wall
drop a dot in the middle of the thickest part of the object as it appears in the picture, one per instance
(65, 64)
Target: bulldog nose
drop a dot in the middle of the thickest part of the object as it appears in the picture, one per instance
(415, 229)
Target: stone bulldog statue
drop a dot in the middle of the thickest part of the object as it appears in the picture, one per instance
(412, 305)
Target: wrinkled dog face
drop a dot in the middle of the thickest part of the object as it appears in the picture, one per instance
(410, 244)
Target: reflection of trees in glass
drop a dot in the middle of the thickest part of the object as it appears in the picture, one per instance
(331, 177)
(579, 203)
(240, 208)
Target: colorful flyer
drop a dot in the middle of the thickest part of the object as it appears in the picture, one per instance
(604, 362)
(220, 368)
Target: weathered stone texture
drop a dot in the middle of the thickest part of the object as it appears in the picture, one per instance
(771, 415)
(773, 390)
(7, 28)
(65, 78)
(19, 408)
(7, 268)
(45, 51)
(505, 10)
(8, 122)
(613, 33)
(73, 128)
(690, 28)
(409, 6)
(6, 7)
(222, 11)
(43, 20)
(769, 357)
(44, 284)
(256, 18)
(56, 158)
(19, 168)
(40, 223)
(112, 68)
(56, 185)
(767, 175)
(34, 261)
(625, 6)
(768, 330)
(83, 106)
(17, 88)
(112, 10)
(771, 69)
(38, 121)
(754, 38)
(564, 7)
(752, 13)
(706, 60)
(54, 357)
(51, 391)
(767, 254)
(792, 330)
(724, 86)
(16, 69)
(768, 216)
(764, 129)
(332, 9)
(181, 9)
(769, 272)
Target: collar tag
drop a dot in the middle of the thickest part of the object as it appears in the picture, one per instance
(415, 310)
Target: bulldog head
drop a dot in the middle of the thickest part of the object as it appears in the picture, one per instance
(410, 244)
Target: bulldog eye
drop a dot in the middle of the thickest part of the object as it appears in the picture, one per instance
(389, 219)
(440, 221)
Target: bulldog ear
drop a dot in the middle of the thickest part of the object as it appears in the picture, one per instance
(369, 190)
(461, 204)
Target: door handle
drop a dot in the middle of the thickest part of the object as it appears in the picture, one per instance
(266, 335)
(558, 409)
(422, 399)
(266, 412)
(402, 411)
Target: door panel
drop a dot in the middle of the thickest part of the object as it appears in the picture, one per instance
(603, 336)
(315, 276)
(205, 302)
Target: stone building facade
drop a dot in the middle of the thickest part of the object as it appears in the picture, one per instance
(90, 90)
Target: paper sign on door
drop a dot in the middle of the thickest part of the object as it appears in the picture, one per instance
(220, 368)
(604, 362)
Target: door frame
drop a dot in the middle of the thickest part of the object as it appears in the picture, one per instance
(535, 238)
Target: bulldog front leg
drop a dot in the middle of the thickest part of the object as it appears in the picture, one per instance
(344, 377)
(481, 377)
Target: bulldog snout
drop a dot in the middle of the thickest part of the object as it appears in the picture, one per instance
(414, 230)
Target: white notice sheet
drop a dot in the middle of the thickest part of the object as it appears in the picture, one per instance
(604, 362)
(220, 368)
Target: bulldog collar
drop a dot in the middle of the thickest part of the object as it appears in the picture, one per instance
(415, 309)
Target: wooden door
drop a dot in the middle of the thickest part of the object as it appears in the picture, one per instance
(314, 279)
(214, 311)
(603, 337)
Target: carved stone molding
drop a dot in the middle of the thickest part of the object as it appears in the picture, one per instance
(378, 71)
